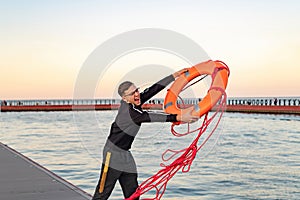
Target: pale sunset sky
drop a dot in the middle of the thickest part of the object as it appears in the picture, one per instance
(43, 44)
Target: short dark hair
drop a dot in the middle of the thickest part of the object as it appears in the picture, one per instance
(123, 87)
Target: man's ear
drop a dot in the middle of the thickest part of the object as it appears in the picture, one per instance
(124, 99)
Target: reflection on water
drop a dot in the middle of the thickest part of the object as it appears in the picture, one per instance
(256, 157)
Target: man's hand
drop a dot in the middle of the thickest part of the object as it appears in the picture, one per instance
(187, 118)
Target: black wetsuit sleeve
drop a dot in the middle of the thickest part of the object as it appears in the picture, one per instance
(156, 88)
(138, 116)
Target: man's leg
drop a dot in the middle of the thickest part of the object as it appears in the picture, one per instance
(129, 184)
(107, 181)
(108, 184)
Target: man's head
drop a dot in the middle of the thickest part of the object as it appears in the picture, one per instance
(129, 93)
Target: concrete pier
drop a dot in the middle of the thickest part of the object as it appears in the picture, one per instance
(22, 178)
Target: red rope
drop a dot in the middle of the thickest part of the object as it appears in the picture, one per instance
(158, 182)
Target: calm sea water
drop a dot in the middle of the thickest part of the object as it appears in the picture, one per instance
(251, 156)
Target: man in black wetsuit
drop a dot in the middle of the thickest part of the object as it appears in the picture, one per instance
(118, 162)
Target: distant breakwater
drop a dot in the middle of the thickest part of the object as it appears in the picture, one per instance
(281, 105)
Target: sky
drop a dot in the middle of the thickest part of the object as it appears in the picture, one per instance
(44, 44)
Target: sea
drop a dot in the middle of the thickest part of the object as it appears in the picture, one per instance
(249, 156)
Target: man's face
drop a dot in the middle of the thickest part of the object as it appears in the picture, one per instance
(132, 95)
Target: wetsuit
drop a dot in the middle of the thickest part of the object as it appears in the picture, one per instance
(118, 162)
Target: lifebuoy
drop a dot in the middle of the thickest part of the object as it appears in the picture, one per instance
(219, 73)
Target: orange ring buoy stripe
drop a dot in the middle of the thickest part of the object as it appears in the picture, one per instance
(219, 73)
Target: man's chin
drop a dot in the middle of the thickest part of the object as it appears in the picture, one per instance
(137, 103)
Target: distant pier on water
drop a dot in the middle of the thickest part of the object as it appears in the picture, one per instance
(275, 105)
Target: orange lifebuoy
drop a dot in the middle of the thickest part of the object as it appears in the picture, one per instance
(219, 73)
